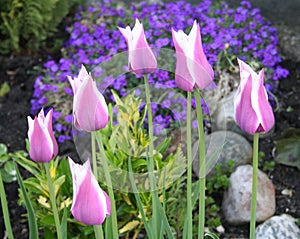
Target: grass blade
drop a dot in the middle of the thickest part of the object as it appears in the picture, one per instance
(33, 229)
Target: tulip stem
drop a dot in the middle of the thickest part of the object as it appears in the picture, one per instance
(202, 169)
(97, 228)
(150, 160)
(113, 216)
(53, 200)
(189, 166)
(254, 185)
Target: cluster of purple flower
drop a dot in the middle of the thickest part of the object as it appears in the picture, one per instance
(94, 38)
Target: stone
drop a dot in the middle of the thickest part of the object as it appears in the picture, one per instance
(223, 146)
(283, 226)
(237, 199)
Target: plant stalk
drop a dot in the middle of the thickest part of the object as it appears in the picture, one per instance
(53, 201)
(97, 228)
(254, 185)
(189, 166)
(150, 162)
(202, 169)
(113, 216)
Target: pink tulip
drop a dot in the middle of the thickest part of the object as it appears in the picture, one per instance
(192, 67)
(43, 145)
(90, 204)
(253, 112)
(90, 111)
(141, 59)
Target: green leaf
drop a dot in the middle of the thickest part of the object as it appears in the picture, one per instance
(3, 149)
(5, 210)
(33, 229)
(4, 89)
(64, 227)
(48, 220)
(211, 235)
(287, 148)
(163, 146)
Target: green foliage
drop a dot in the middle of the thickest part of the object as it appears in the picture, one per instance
(7, 167)
(129, 140)
(27, 23)
(4, 89)
(219, 182)
(266, 166)
(287, 148)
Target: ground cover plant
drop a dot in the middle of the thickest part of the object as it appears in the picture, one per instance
(94, 38)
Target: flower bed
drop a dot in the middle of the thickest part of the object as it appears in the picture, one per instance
(95, 38)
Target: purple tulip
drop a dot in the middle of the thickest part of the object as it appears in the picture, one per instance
(141, 59)
(253, 113)
(90, 112)
(43, 145)
(90, 204)
(192, 67)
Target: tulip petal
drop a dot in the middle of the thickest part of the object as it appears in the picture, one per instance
(89, 108)
(183, 77)
(252, 110)
(260, 104)
(141, 59)
(90, 203)
(199, 67)
(41, 145)
(48, 122)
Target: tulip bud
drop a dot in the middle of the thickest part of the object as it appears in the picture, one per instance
(90, 204)
(90, 110)
(141, 59)
(43, 145)
(253, 113)
(192, 67)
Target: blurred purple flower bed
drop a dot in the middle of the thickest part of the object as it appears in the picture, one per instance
(95, 38)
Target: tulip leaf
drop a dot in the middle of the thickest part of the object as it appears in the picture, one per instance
(33, 229)
(129, 226)
(64, 227)
(287, 148)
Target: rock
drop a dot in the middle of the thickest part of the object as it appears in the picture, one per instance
(283, 226)
(224, 115)
(236, 148)
(237, 200)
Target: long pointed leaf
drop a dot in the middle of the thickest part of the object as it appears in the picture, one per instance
(5, 210)
(33, 229)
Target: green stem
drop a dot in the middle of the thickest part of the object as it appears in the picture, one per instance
(189, 166)
(113, 216)
(53, 200)
(202, 169)
(5, 210)
(97, 228)
(150, 160)
(98, 232)
(254, 185)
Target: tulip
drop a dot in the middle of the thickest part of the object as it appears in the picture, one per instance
(90, 111)
(90, 204)
(192, 67)
(253, 112)
(141, 59)
(43, 145)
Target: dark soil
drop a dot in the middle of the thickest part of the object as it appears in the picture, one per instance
(15, 106)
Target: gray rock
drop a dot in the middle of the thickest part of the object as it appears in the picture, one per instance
(237, 200)
(277, 227)
(222, 146)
